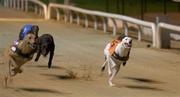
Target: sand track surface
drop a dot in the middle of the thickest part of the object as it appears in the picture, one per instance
(76, 66)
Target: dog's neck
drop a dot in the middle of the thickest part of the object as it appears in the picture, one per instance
(25, 47)
(121, 50)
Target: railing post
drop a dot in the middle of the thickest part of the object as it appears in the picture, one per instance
(77, 18)
(14, 4)
(36, 9)
(139, 33)
(4, 3)
(57, 14)
(10, 3)
(158, 37)
(125, 25)
(114, 27)
(7, 3)
(65, 18)
(22, 5)
(26, 5)
(86, 21)
(45, 11)
(154, 38)
(40, 12)
(18, 4)
(95, 22)
(71, 17)
(105, 24)
(49, 12)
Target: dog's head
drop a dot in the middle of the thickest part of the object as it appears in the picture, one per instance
(30, 39)
(45, 49)
(35, 30)
(127, 42)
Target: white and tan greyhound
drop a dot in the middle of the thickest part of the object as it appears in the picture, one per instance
(116, 53)
(17, 55)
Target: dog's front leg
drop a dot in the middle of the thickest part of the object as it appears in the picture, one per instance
(114, 70)
(37, 56)
(51, 58)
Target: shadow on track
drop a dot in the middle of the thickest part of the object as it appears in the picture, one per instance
(43, 66)
(144, 80)
(62, 77)
(143, 87)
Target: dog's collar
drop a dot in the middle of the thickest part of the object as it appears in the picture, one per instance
(116, 56)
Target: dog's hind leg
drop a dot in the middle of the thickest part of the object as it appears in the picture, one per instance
(7, 79)
(10, 74)
(110, 72)
(13, 68)
(109, 66)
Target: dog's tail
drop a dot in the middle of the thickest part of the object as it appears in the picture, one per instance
(102, 69)
(104, 65)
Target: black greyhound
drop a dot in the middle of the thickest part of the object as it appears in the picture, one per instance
(45, 44)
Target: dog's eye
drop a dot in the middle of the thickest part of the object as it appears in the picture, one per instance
(30, 37)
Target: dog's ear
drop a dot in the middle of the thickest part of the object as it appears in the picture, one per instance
(121, 37)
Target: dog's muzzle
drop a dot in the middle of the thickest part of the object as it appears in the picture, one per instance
(127, 45)
(32, 46)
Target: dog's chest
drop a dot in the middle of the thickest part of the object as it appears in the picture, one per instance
(121, 51)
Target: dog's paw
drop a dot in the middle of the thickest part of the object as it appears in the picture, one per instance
(49, 65)
(111, 84)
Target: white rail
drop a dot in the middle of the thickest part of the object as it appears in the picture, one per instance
(39, 7)
(94, 14)
(42, 9)
(161, 26)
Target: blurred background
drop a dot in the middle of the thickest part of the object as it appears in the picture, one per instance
(141, 9)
